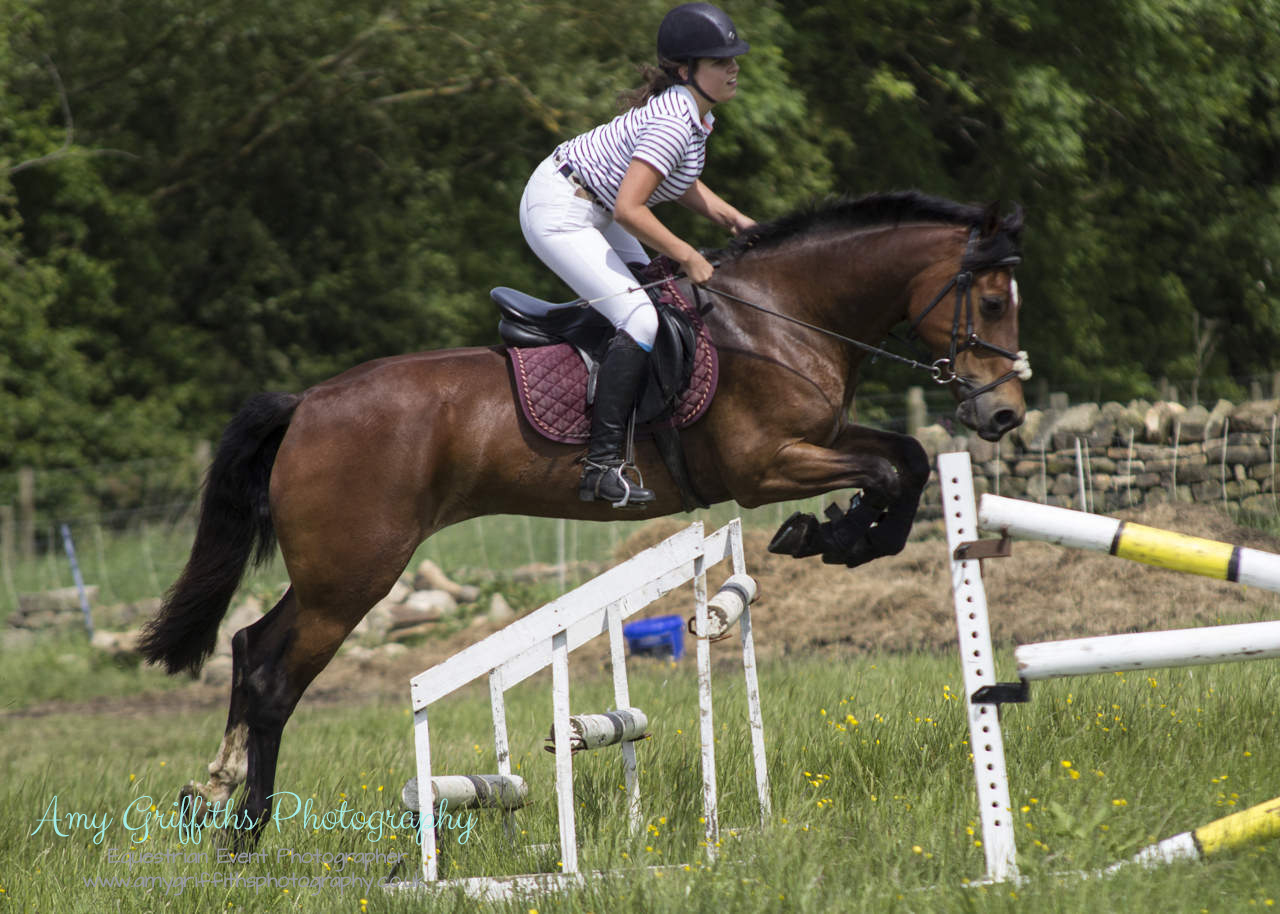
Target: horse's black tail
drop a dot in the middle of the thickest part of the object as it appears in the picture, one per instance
(235, 517)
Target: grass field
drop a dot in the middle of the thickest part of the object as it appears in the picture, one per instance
(873, 799)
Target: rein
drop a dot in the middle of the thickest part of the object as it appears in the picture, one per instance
(942, 370)
(934, 369)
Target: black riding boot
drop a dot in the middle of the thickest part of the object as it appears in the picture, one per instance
(621, 374)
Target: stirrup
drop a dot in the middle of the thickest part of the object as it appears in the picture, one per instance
(634, 495)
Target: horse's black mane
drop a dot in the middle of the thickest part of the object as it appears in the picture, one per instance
(879, 209)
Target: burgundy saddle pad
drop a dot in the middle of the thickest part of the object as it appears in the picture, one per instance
(551, 382)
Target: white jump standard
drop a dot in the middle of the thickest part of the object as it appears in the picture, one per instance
(979, 666)
(545, 638)
(964, 515)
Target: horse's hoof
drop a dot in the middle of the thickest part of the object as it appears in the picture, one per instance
(192, 805)
(798, 536)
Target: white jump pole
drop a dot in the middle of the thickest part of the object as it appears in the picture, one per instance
(1249, 826)
(1148, 650)
(1136, 542)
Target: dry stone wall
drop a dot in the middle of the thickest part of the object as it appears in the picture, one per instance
(1127, 455)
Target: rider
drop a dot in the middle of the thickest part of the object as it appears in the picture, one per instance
(586, 209)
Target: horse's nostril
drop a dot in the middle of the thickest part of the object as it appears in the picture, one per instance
(1006, 419)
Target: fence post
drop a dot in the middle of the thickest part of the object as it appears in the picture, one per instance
(69, 545)
(6, 550)
(916, 415)
(1040, 386)
(6, 534)
(27, 512)
(202, 456)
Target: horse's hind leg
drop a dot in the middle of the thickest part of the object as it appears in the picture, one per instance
(276, 659)
(230, 766)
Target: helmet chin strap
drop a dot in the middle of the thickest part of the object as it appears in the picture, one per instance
(690, 81)
(693, 82)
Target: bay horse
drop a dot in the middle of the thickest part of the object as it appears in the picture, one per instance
(350, 476)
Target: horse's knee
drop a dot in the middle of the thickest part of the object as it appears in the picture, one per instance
(884, 484)
(915, 462)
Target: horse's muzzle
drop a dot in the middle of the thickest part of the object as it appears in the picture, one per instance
(990, 415)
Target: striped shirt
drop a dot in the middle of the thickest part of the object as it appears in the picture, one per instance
(665, 132)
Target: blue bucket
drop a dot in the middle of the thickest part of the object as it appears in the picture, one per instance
(659, 636)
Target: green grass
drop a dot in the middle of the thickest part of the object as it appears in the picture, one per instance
(872, 789)
(877, 815)
(64, 668)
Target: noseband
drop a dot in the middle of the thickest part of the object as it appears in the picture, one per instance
(944, 369)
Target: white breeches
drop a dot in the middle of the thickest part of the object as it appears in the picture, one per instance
(578, 239)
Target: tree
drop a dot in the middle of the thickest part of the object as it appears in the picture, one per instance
(1141, 137)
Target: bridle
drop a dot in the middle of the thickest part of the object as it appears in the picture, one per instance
(943, 371)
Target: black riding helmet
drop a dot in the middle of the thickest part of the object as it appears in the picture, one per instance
(694, 30)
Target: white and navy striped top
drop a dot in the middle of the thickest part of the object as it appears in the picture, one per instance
(665, 132)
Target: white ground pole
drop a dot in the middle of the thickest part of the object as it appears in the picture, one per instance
(985, 739)
(545, 638)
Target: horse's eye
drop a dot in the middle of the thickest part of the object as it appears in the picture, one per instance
(992, 307)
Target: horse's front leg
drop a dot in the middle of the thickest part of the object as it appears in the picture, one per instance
(890, 469)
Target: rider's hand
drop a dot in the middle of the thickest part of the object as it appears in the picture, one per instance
(697, 268)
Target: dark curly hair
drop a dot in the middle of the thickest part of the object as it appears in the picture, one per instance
(656, 81)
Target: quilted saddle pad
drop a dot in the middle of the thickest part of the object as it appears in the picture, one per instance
(551, 382)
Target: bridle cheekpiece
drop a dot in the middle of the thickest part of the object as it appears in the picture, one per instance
(944, 370)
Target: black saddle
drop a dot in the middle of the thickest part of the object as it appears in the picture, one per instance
(589, 332)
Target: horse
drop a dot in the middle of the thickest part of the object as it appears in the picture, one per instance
(350, 476)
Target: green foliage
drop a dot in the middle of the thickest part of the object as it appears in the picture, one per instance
(202, 200)
(1141, 137)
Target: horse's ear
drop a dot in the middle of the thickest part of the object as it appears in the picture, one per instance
(991, 219)
(1013, 222)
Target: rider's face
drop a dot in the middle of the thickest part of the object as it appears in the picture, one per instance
(717, 76)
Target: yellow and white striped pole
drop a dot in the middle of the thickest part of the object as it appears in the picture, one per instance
(1151, 546)
(1250, 826)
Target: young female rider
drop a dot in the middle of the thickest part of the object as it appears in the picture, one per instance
(586, 210)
